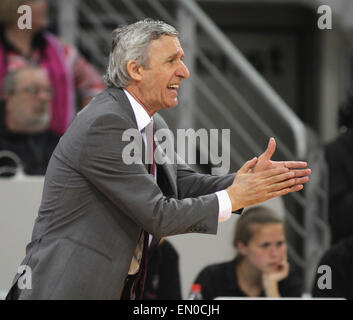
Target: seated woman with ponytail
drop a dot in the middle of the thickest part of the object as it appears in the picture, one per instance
(260, 268)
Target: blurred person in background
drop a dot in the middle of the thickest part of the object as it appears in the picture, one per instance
(339, 156)
(335, 279)
(163, 277)
(26, 116)
(260, 268)
(72, 77)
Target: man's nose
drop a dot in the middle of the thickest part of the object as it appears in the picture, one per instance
(183, 71)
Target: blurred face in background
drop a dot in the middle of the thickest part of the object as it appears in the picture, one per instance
(28, 106)
(39, 13)
(9, 15)
(266, 249)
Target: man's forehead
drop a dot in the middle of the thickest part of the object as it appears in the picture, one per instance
(167, 46)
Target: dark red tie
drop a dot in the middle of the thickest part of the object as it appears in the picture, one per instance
(139, 283)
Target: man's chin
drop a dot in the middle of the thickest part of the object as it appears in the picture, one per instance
(171, 105)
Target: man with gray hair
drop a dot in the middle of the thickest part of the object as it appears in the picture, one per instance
(26, 116)
(92, 233)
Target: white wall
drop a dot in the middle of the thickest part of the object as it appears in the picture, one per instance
(20, 199)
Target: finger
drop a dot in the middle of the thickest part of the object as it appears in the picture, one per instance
(292, 164)
(272, 173)
(277, 184)
(271, 148)
(295, 188)
(285, 191)
(301, 172)
(279, 178)
(281, 185)
(284, 180)
(248, 165)
(301, 180)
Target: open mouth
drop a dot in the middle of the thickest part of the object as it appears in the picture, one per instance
(173, 87)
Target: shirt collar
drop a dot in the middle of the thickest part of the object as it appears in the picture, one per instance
(141, 115)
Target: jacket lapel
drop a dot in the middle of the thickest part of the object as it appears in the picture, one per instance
(169, 169)
(126, 112)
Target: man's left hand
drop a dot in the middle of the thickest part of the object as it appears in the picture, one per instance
(265, 163)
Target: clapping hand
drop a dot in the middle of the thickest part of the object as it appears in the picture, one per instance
(265, 163)
(261, 179)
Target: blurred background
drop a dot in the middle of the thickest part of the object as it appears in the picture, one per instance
(259, 68)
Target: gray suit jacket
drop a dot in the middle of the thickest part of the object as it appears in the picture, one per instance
(94, 206)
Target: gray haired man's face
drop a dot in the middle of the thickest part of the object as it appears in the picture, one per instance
(161, 79)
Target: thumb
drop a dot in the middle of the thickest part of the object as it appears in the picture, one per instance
(248, 165)
(271, 148)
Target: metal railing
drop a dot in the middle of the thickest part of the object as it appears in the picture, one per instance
(307, 211)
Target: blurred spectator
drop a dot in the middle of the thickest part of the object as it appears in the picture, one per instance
(162, 279)
(67, 69)
(26, 117)
(337, 281)
(339, 156)
(260, 268)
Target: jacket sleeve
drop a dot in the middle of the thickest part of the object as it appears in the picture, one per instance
(133, 190)
(193, 184)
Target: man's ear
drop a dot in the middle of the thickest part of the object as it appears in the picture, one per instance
(134, 70)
